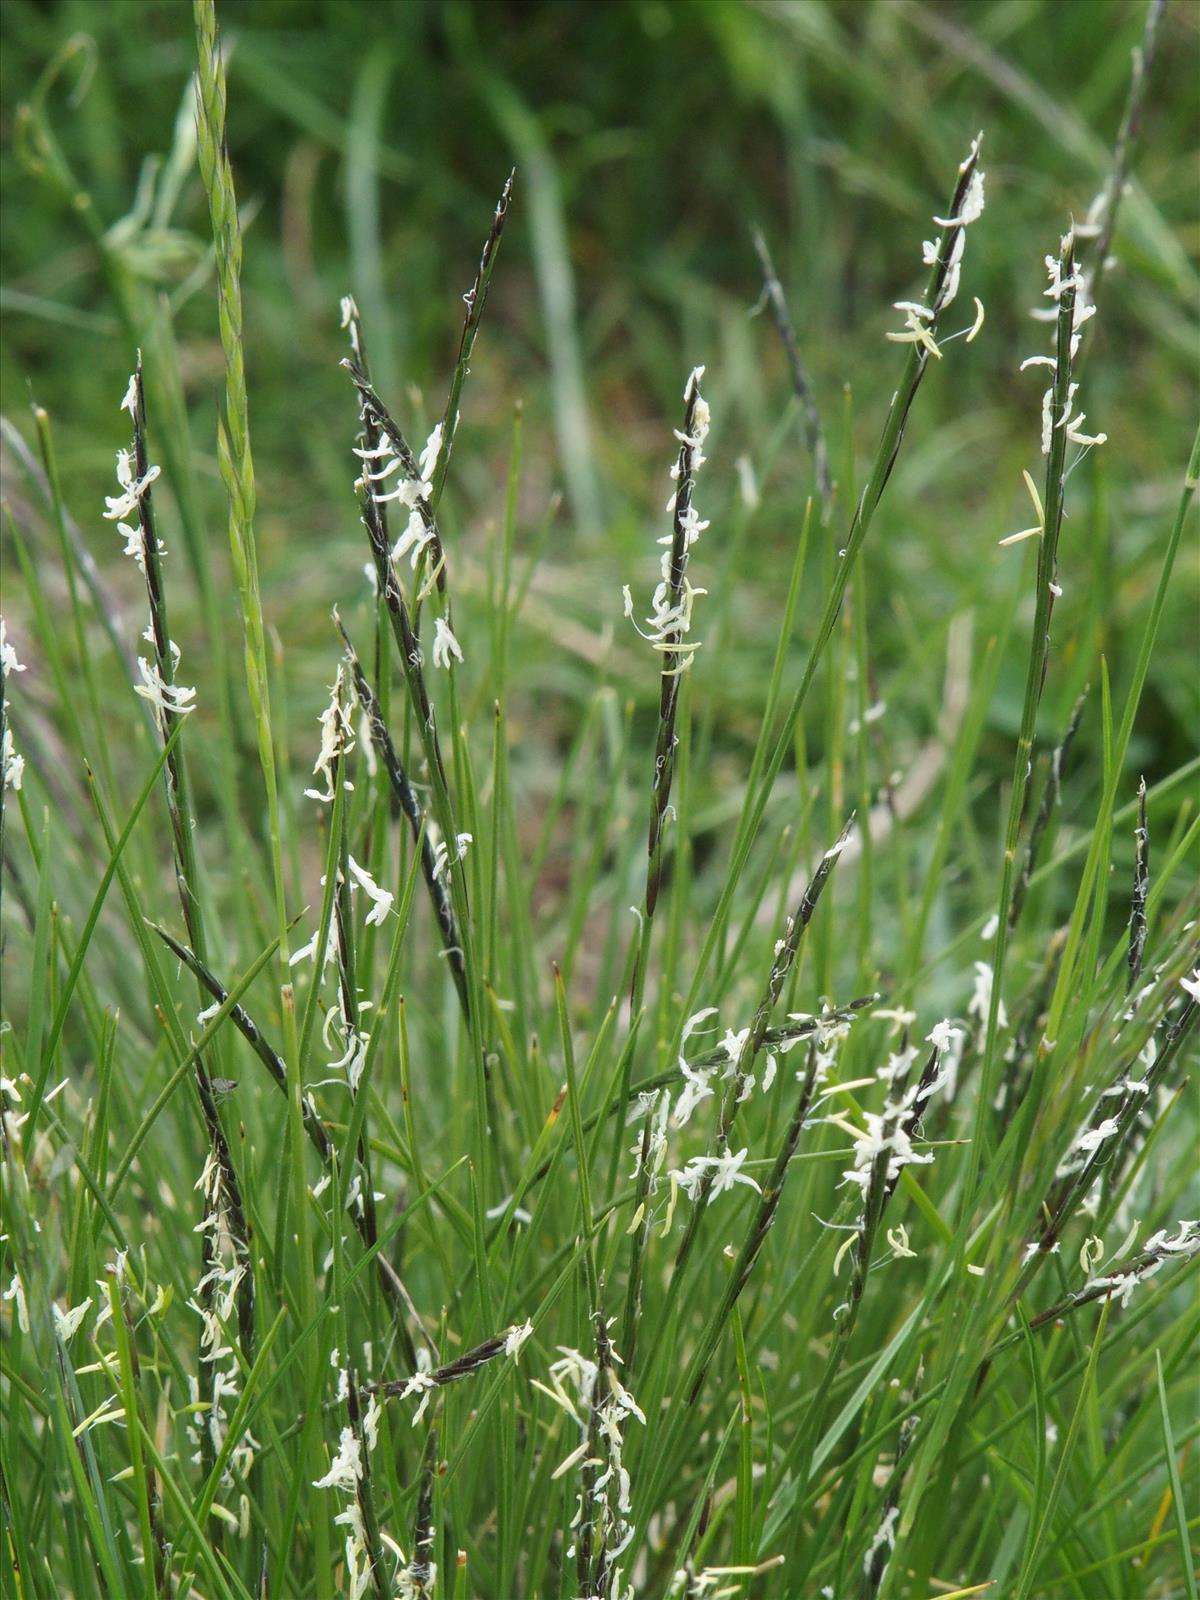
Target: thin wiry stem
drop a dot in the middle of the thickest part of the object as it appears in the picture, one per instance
(412, 666)
(814, 432)
(760, 1227)
(753, 1043)
(253, 1035)
(1039, 656)
(1141, 888)
(1103, 214)
(1041, 822)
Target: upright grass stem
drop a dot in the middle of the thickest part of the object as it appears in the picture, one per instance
(1141, 890)
(233, 425)
(1035, 677)
(755, 1038)
(814, 432)
(1102, 217)
(237, 471)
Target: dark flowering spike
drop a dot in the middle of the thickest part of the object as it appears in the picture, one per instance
(1050, 797)
(768, 1205)
(406, 797)
(1105, 1141)
(672, 615)
(814, 433)
(1141, 887)
(380, 424)
(450, 1372)
(475, 299)
(785, 956)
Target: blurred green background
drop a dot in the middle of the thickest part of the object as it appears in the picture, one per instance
(369, 143)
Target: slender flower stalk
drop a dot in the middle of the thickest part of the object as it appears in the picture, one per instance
(407, 643)
(233, 429)
(760, 1227)
(751, 1043)
(401, 619)
(12, 765)
(669, 627)
(670, 623)
(814, 432)
(667, 630)
(222, 1285)
(1098, 229)
(1050, 797)
(721, 1168)
(1111, 1127)
(1058, 429)
(1141, 888)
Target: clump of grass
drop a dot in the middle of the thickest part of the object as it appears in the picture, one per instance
(488, 1302)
